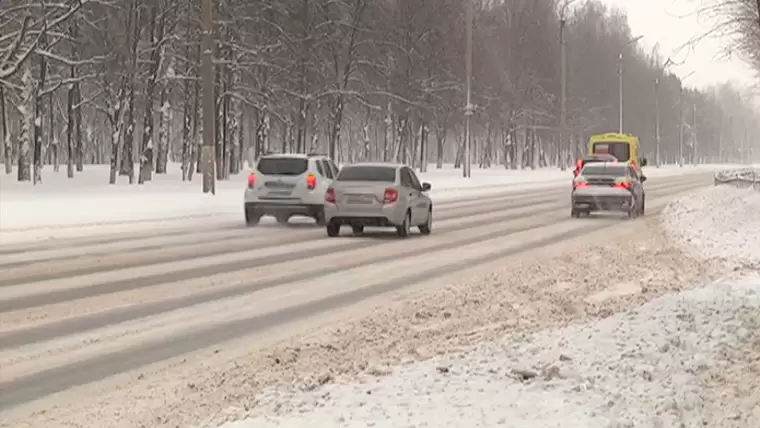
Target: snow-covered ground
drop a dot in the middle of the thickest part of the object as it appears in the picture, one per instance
(656, 366)
(719, 222)
(88, 204)
(685, 359)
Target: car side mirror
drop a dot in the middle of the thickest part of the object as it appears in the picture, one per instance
(426, 187)
(643, 179)
(643, 162)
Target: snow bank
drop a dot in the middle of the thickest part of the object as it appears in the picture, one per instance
(87, 199)
(718, 222)
(656, 366)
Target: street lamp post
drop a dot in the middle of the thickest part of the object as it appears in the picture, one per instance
(620, 83)
(564, 148)
(468, 109)
(680, 126)
(680, 119)
(657, 121)
(694, 160)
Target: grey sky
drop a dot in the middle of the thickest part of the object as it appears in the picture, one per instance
(672, 23)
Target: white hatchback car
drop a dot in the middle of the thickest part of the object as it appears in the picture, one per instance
(286, 185)
(378, 194)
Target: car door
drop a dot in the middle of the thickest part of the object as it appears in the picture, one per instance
(407, 191)
(413, 190)
(422, 203)
(637, 187)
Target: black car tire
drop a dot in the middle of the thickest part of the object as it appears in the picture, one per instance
(252, 217)
(642, 208)
(427, 228)
(403, 230)
(357, 229)
(319, 217)
(282, 219)
(333, 229)
(574, 213)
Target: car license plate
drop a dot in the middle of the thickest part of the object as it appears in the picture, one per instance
(280, 193)
(359, 200)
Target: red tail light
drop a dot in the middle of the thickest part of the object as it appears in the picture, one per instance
(390, 196)
(623, 185)
(311, 181)
(330, 196)
(251, 180)
(580, 185)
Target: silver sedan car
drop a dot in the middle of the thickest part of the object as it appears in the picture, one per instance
(378, 194)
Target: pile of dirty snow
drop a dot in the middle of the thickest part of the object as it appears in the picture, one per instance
(717, 222)
(655, 366)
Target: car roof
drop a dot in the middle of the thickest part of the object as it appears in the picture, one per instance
(598, 156)
(293, 155)
(606, 164)
(378, 164)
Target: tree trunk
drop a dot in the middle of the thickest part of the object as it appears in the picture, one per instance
(127, 166)
(155, 34)
(37, 157)
(167, 117)
(336, 117)
(5, 134)
(27, 123)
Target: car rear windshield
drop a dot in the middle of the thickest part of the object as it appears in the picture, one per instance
(605, 170)
(367, 173)
(619, 149)
(282, 166)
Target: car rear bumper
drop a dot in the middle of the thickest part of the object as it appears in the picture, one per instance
(607, 202)
(385, 216)
(284, 208)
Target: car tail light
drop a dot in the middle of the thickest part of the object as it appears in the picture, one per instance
(311, 181)
(623, 184)
(330, 196)
(251, 180)
(390, 196)
(580, 185)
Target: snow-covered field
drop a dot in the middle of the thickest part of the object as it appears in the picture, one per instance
(86, 204)
(718, 222)
(660, 365)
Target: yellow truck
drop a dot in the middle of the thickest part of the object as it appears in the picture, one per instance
(624, 147)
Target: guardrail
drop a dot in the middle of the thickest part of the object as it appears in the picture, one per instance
(744, 178)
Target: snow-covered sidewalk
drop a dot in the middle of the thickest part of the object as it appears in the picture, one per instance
(656, 366)
(719, 222)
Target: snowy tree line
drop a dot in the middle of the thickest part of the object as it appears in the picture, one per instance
(117, 81)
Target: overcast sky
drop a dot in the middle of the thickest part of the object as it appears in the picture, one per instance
(672, 23)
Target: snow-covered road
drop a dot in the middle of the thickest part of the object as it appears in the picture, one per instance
(136, 318)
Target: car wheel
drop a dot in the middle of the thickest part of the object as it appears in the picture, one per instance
(333, 229)
(320, 218)
(282, 219)
(575, 213)
(403, 230)
(357, 229)
(642, 208)
(252, 217)
(634, 210)
(426, 228)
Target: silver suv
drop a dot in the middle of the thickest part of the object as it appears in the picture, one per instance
(286, 185)
(378, 194)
